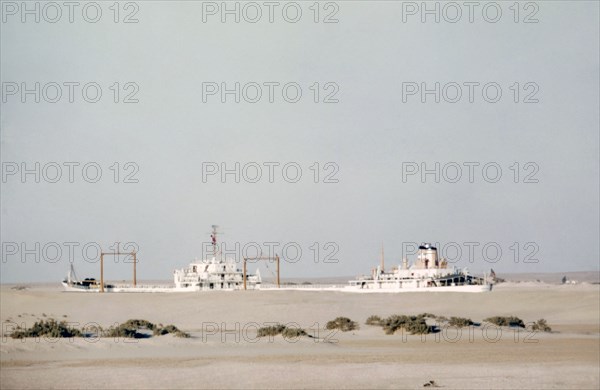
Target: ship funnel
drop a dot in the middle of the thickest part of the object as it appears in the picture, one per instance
(427, 256)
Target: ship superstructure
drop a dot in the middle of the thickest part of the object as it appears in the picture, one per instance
(214, 273)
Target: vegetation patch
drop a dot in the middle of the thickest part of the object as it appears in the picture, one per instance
(412, 324)
(49, 328)
(129, 329)
(418, 325)
(506, 321)
(169, 329)
(290, 333)
(541, 326)
(270, 330)
(342, 323)
(373, 320)
(460, 322)
(285, 331)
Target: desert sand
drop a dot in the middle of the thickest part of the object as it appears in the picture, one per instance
(224, 352)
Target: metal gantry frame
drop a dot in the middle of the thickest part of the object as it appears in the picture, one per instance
(117, 253)
(276, 258)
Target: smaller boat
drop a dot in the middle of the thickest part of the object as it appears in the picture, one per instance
(72, 283)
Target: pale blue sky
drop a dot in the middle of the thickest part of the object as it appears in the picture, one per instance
(368, 134)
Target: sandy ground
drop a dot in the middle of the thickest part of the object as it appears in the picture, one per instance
(225, 353)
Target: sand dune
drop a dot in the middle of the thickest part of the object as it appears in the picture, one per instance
(224, 350)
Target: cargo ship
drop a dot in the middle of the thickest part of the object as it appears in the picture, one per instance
(427, 273)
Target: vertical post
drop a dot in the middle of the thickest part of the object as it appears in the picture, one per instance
(134, 270)
(101, 272)
(277, 258)
(244, 273)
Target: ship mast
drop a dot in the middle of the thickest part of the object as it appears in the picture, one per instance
(382, 260)
(213, 237)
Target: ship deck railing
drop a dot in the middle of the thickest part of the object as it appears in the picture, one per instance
(269, 286)
(144, 286)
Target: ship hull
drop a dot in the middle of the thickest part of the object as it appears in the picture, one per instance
(144, 289)
(394, 289)
(348, 289)
(76, 288)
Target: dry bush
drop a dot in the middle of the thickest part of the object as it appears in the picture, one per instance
(169, 329)
(460, 322)
(273, 330)
(130, 329)
(290, 333)
(373, 320)
(506, 321)
(412, 324)
(50, 328)
(342, 323)
(541, 326)
(286, 332)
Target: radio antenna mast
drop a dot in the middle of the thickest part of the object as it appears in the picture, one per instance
(213, 237)
(382, 258)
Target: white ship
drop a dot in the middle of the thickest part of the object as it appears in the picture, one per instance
(214, 274)
(428, 273)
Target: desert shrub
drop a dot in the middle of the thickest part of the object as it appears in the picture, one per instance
(460, 322)
(413, 324)
(49, 328)
(130, 329)
(506, 321)
(418, 327)
(121, 331)
(139, 324)
(159, 331)
(541, 326)
(342, 323)
(169, 329)
(290, 333)
(273, 330)
(393, 323)
(373, 320)
(287, 332)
